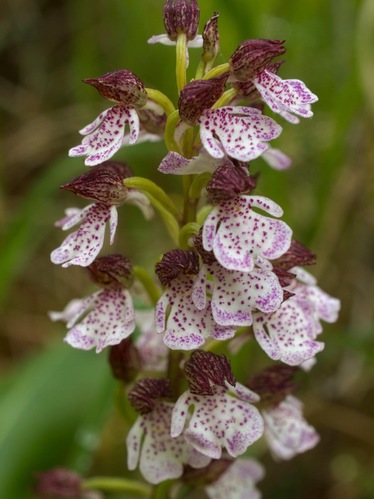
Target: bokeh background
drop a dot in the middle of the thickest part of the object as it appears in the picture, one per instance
(55, 403)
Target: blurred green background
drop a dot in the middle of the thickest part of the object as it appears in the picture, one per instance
(56, 403)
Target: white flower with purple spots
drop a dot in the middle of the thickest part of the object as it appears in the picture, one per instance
(160, 456)
(285, 97)
(105, 135)
(185, 327)
(153, 352)
(226, 419)
(236, 294)
(286, 431)
(238, 482)
(82, 246)
(240, 237)
(99, 320)
(289, 333)
(240, 132)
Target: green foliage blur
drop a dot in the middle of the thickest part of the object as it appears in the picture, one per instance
(55, 403)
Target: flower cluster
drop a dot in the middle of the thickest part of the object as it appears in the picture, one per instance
(234, 269)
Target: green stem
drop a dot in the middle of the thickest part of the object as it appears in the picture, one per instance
(187, 231)
(198, 184)
(217, 71)
(148, 283)
(225, 98)
(170, 222)
(161, 491)
(116, 485)
(171, 123)
(150, 188)
(181, 69)
(161, 99)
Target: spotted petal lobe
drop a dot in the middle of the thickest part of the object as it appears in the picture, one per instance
(286, 97)
(240, 131)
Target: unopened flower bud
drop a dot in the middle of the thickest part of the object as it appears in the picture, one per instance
(176, 262)
(111, 270)
(274, 383)
(211, 39)
(181, 16)
(124, 360)
(123, 87)
(199, 95)
(58, 482)
(146, 391)
(297, 255)
(102, 183)
(253, 56)
(205, 369)
(228, 182)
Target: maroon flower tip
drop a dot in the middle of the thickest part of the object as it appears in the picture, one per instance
(206, 256)
(146, 391)
(123, 87)
(297, 255)
(181, 16)
(285, 278)
(199, 95)
(207, 475)
(119, 167)
(103, 183)
(124, 360)
(205, 369)
(228, 182)
(176, 262)
(112, 270)
(211, 39)
(58, 482)
(274, 384)
(253, 56)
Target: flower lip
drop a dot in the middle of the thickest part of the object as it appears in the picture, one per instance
(176, 262)
(253, 56)
(181, 16)
(146, 391)
(122, 87)
(205, 369)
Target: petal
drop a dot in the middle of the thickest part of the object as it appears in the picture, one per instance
(107, 136)
(75, 216)
(133, 444)
(223, 421)
(162, 456)
(285, 96)
(243, 235)
(199, 289)
(238, 482)
(277, 159)
(68, 313)
(186, 327)
(111, 320)
(152, 349)
(175, 164)
(113, 221)
(179, 414)
(163, 39)
(92, 126)
(141, 201)
(286, 431)
(289, 333)
(82, 246)
(237, 294)
(240, 136)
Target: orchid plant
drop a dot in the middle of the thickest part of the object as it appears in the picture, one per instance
(234, 271)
